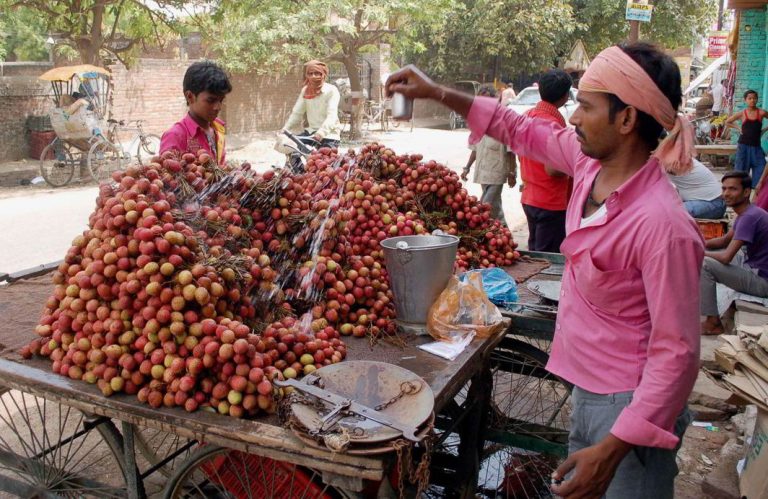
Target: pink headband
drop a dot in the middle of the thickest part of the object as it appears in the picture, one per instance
(614, 72)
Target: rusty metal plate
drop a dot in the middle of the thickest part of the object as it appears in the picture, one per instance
(371, 384)
(373, 448)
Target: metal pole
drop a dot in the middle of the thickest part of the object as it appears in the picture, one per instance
(134, 480)
(720, 15)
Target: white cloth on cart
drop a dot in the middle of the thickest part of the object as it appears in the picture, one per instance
(83, 124)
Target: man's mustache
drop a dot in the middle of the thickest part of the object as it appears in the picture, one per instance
(580, 133)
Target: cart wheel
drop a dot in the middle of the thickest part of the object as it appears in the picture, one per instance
(47, 449)
(526, 398)
(445, 453)
(149, 146)
(103, 159)
(513, 472)
(393, 123)
(453, 119)
(160, 455)
(58, 171)
(213, 471)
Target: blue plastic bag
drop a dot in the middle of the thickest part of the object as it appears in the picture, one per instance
(500, 287)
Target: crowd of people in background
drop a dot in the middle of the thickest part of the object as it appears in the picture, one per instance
(739, 259)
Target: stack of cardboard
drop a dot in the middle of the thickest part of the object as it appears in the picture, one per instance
(744, 357)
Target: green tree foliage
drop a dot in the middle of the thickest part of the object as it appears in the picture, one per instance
(514, 37)
(526, 35)
(22, 37)
(89, 29)
(674, 23)
(274, 35)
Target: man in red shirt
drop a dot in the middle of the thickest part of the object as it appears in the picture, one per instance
(546, 191)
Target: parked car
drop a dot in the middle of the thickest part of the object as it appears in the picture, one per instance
(528, 97)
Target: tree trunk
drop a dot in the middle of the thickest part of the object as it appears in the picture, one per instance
(350, 64)
(89, 45)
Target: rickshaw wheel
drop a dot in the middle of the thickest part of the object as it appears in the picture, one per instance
(526, 398)
(104, 158)
(526, 401)
(218, 472)
(454, 120)
(149, 147)
(47, 449)
(162, 451)
(58, 171)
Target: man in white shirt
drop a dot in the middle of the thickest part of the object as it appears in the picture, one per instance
(700, 191)
(495, 165)
(717, 97)
(319, 104)
(508, 94)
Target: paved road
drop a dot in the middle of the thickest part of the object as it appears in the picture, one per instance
(37, 225)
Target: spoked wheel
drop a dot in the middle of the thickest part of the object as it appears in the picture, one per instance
(47, 449)
(527, 398)
(393, 123)
(217, 472)
(57, 165)
(509, 472)
(159, 454)
(149, 145)
(455, 120)
(385, 120)
(445, 460)
(528, 425)
(104, 158)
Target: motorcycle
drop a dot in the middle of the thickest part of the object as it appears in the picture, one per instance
(296, 149)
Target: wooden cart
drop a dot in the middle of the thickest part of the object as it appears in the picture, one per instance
(53, 418)
(159, 451)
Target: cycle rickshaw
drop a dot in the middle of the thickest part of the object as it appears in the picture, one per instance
(85, 136)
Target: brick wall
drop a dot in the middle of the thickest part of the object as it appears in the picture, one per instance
(381, 64)
(751, 59)
(425, 109)
(149, 91)
(260, 102)
(24, 68)
(20, 97)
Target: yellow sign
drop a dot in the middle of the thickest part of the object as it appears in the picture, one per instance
(639, 12)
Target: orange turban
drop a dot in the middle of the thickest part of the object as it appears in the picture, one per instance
(313, 89)
(614, 72)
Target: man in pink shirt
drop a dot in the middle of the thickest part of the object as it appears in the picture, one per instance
(627, 333)
(205, 85)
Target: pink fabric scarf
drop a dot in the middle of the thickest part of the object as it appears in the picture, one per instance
(614, 72)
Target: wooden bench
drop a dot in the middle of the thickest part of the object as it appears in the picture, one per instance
(716, 149)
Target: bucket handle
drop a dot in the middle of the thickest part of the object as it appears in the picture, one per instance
(404, 256)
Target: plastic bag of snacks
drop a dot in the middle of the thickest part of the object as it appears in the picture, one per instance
(463, 306)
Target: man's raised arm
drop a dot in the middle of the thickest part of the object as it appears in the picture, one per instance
(537, 139)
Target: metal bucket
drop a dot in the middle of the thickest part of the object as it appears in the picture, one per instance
(419, 272)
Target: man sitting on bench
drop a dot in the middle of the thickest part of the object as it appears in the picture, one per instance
(700, 191)
(729, 266)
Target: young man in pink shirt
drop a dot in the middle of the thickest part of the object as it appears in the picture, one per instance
(205, 86)
(627, 333)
